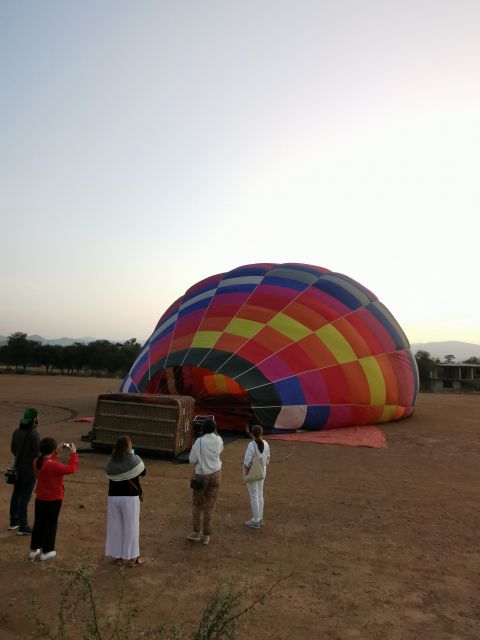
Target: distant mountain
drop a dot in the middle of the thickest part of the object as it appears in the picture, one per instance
(63, 342)
(461, 350)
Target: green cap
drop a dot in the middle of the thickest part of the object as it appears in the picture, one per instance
(29, 416)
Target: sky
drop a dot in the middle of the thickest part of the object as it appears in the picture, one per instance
(147, 145)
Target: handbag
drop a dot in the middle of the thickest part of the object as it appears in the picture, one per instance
(256, 470)
(10, 475)
(196, 481)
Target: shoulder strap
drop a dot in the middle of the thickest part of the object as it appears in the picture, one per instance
(200, 457)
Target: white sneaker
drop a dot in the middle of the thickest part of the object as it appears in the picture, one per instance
(252, 524)
(33, 554)
(195, 536)
(48, 556)
(206, 539)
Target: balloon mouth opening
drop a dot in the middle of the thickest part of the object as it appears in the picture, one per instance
(213, 393)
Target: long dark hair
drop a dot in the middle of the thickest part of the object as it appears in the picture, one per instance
(209, 426)
(46, 447)
(257, 433)
(120, 448)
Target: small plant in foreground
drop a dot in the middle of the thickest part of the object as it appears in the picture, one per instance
(78, 601)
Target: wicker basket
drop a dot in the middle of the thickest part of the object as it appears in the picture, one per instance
(155, 423)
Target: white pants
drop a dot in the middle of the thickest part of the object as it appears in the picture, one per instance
(255, 490)
(123, 527)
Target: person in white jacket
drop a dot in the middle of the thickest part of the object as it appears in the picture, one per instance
(257, 447)
(205, 455)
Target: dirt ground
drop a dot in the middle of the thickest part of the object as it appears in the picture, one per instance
(381, 544)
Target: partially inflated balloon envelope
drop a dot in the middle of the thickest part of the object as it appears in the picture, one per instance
(287, 346)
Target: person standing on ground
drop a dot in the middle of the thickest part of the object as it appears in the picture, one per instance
(50, 493)
(258, 447)
(25, 448)
(205, 455)
(124, 496)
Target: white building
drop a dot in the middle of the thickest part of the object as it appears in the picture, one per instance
(454, 377)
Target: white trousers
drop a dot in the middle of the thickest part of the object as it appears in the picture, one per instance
(123, 527)
(255, 490)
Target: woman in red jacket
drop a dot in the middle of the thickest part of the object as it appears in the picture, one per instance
(50, 492)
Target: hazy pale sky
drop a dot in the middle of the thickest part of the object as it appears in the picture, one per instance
(146, 145)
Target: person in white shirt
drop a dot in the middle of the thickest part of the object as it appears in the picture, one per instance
(205, 455)
(258, 447)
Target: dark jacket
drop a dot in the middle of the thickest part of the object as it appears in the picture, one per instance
(126, 487)
(30, 450)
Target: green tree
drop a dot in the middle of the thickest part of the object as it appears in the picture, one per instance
(103, 356)
(5, 355)
(129, 351)
(44, 355)
(449, 358)
(75, 357)
(424, 364)
(20, 349)
(58, 357)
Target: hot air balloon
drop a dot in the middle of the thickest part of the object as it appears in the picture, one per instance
(289, 346)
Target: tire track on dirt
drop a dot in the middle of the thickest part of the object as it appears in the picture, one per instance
(73, 413)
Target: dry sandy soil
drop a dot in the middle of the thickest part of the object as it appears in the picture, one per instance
(382, 544)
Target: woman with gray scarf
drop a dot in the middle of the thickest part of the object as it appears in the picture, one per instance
(124, 494)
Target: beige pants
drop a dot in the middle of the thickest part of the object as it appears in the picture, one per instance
(203, 501)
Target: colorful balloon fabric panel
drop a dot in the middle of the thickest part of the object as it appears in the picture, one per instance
(294, 346)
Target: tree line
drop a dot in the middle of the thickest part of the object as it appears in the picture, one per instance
(99, 357)
(102, 357)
